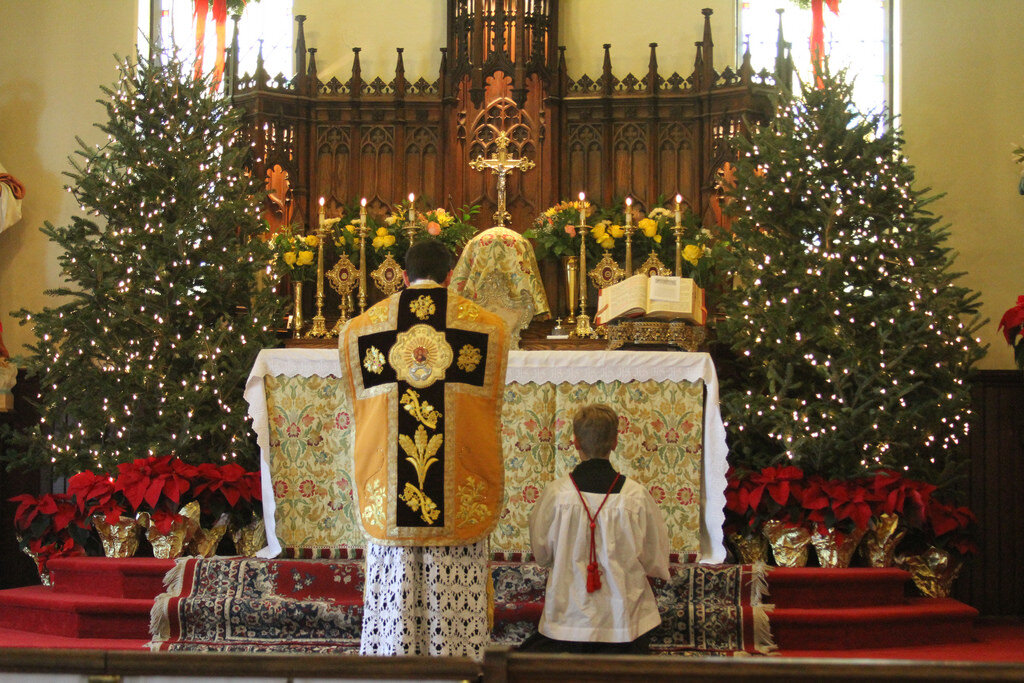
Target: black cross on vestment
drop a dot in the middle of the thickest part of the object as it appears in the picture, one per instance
(413, 356)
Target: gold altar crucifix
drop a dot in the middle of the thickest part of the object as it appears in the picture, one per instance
(501, 164)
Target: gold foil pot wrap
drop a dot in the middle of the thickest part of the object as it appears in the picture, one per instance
(250, 538)
(205, 541)
(172, 544)
(750, 549)
(879, 545)
(933, 571)
(789, 543)
(40, 562)
(120, 539)
(835, 549)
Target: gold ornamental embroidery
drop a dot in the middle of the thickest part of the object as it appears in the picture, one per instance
(419, 501)
(373, 503)
(421, 454)
(422, 307)
(378, 313)
(469, 358)
(373, 361)
(421, 410)
(420, 355)
(467, 310)
(471, 506)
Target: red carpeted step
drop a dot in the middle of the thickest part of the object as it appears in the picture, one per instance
(132, 577)
(814, 587)
(41, 609)
(920, 621)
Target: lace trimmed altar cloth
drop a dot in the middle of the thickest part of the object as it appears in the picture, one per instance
(671, 440)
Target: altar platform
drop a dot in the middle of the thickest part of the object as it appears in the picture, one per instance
(671, 439)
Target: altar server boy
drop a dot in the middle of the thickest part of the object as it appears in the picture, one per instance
(601, 534)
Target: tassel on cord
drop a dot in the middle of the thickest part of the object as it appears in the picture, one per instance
(593, 570)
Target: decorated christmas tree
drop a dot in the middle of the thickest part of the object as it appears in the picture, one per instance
(852, 344)
(148, 345)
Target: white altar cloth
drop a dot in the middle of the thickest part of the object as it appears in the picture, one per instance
(524, 367)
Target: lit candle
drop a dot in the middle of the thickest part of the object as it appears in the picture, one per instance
(412, 211)
(321, 211)
(583, 215)
(362, 212)
(629, 211)
(679, 215)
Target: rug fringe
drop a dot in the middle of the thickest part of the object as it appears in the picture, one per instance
(759, 582)
(764, 642)
(159, 619)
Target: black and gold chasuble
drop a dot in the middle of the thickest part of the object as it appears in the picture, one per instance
(425, 372)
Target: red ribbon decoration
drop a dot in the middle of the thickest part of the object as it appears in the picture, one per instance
(219, 13)
(818, 35)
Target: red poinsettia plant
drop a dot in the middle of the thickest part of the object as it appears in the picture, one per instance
(49, 526)
(949, 527)
(837, 506)
(1012, 325)
(155, 485)
(227, 489)
(755, 497)
(95, 495)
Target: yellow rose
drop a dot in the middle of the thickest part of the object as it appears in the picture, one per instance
(649, 227)
(608, 242)
(389, 240)
(378, 242)
(305, 258)
(390, 220)
(693, 253)
(616, 231)
(657, 238)
(350, 228)
(597, 232)
(381, 232)
(289, 257)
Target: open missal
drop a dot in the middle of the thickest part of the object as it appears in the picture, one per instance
(656, 296)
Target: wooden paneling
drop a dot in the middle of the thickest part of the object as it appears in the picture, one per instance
(993, 581)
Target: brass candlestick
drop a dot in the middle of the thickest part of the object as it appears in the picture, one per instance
(362, 257)
(319, 328)
(677, 230)
(572, 287)
(628, 229)
(583, 328)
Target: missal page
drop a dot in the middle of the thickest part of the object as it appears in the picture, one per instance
(623, 299)
(671, 297)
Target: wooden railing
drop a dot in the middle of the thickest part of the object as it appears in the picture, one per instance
(500, 665)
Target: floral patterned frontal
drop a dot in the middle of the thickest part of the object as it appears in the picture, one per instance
(660, 446)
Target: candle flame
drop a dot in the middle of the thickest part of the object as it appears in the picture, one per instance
(321, 201)
(362, 202)
(412, 197)
(582, 196)
(629, 201)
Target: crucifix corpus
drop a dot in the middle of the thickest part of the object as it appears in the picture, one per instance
(501, 164)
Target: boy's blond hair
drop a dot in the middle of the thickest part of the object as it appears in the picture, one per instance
(596, 427)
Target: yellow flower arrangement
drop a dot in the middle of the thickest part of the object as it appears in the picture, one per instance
(294, 254)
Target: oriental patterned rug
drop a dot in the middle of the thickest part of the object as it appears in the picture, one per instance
(257, 605)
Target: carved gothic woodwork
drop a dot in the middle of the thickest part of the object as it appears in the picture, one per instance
(649, 137)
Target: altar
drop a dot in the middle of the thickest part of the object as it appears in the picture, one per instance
(671, 439)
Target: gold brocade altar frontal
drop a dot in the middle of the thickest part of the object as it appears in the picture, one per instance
(660, 445)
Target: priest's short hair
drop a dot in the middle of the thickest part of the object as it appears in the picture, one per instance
(428, 258)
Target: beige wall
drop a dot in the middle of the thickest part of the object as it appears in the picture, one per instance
(963, 101)
(961, 98)
(54, 55)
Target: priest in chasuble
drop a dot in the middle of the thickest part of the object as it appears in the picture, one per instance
(425, 373)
